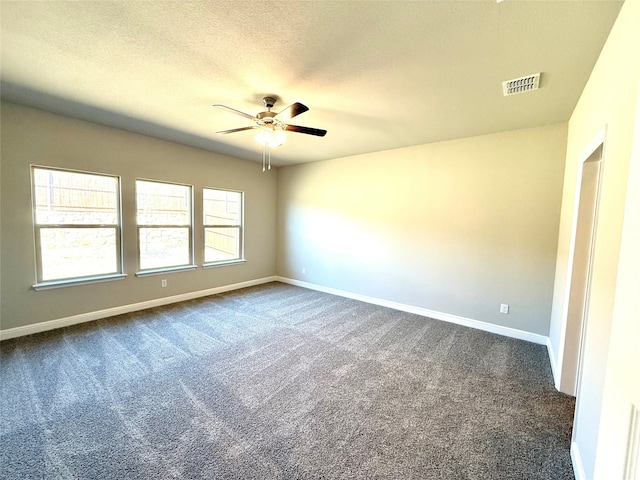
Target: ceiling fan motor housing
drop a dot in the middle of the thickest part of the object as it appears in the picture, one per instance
(267, 116)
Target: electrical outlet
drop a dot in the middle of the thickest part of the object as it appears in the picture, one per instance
(164, 282)
(304, 270)
(504, 308)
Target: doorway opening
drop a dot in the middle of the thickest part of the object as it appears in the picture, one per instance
(575, 311)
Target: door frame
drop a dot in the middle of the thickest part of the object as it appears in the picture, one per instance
(568, 369)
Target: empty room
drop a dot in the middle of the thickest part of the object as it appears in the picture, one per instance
(320, 239)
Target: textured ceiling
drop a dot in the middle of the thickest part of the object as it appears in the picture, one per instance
(377, 75)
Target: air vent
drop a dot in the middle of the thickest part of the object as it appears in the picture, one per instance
(521, 85)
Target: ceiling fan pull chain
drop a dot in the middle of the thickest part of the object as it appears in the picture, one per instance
(269, 158)
(264, 152)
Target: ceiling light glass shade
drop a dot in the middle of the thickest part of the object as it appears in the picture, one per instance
(271, 137)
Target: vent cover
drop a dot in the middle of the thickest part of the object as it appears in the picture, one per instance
(521, 85)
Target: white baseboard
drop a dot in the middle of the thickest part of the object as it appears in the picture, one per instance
(110, 312)
(576, 460)
(554, 364)
(446, 317)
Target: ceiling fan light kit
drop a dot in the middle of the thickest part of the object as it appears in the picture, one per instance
(270, 137)
(272, 126)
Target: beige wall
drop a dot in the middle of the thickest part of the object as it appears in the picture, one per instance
(34, 137)
(457, 227)
(622, 381)
(608, 100)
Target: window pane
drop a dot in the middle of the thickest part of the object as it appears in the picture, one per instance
(77, 252)
(221, 244)
(222, 207)
(163, 247)
(75, 198)
(163, 203)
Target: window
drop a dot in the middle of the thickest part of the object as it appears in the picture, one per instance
(77, 225)
(164, 216)
(222, 226)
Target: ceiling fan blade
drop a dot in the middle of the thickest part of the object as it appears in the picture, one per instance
(233, 130)
(308, 130)
(291, 111)
(237, 112)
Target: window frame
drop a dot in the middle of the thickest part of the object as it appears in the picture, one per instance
(190, 265)
(239, 227)
(42, 284)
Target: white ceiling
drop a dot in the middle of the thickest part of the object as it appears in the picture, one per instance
(377, 75)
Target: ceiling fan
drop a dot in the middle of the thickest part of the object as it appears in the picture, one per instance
(272, 126)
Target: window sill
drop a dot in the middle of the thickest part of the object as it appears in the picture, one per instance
(161, 271)
(77, 281)
(224, 264)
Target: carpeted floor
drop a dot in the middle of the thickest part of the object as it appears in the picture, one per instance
(279, 382)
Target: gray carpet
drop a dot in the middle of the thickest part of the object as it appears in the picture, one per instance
(279, 382)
